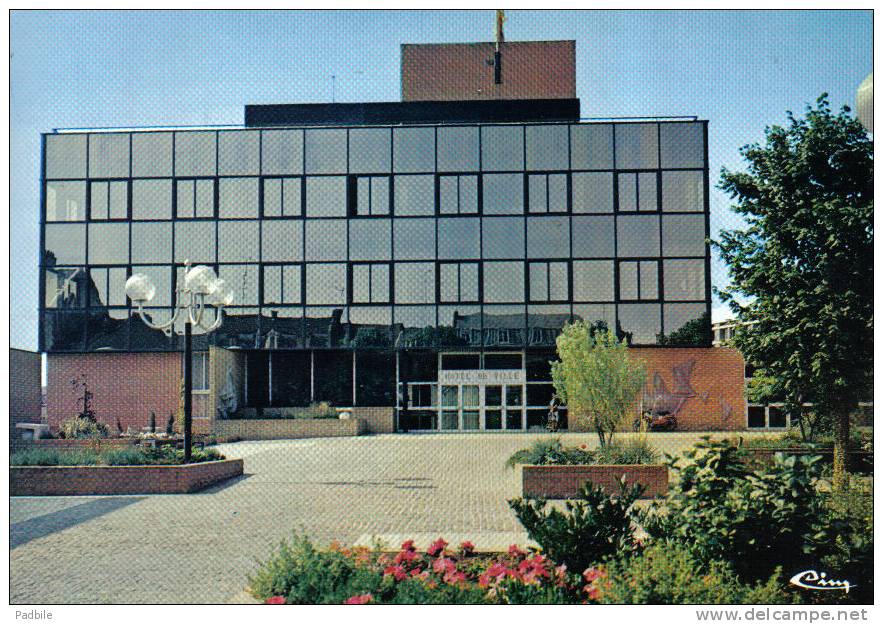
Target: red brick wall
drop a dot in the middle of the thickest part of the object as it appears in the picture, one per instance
(24, 389)
(459, 71)
(124, 385)
(565, 481)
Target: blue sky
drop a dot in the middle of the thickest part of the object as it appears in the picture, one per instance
(739, 69)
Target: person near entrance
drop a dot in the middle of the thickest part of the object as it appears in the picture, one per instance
(552, 419)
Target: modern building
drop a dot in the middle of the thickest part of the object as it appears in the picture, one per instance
(413, 260)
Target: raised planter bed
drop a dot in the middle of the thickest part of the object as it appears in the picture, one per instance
(69, 444)
(95, 480)
(288, 428)
(558, 482)
(859, 461)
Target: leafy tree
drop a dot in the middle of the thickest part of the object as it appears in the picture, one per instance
(804, 263)
(693, 333)
(596, 377)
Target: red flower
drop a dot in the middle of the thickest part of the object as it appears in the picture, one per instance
(467, 547)
(443, 565)
(592, 573)
(593, 592)
(408, 545)
(398, 572)
(454, 577)
(436, 547)
(406, 556)
(275, 600)
(362, 599)
(515, 551)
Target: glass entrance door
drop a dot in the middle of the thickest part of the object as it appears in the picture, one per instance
(475, 407)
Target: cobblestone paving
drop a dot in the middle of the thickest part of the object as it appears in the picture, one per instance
(201, 547)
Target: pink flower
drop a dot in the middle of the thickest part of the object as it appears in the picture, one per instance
(592, 592)
(591, 574)
(467, 547)
(436, 547)
(406, 556)
(275, 600)
(443, 565)
(515, 551)
(362, 599)
(454, 577)
(397, 571)
(408, 545)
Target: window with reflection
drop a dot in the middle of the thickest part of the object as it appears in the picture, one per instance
(638, 192)
(503, 193)
(239, 152)
(161, 276)
(637, 236)
(65, 243)
(238, 241)
(369, 195)
(592, 192)
(594, 312)
(414, 282)
(416, 327)
(195, 154)
(65, 156)
(238, 198)
(66, 287)
(282, 197)
(108, 330)
(326, 284)
(639, 280)
(325, 240)
(282, 152)
(370, 282)
(242, 279)
(548, 237)
(503, 237)
(503, 282)
(683, 235)
(152, 199)
(684, 280)
(547, 192)
(591, 146)
(108, 243)
(325, 327)
(641, 322)
(375, 372)
(546, 147)
(682, 144)
(593, 280)
(325, 151)
(686, 324)
(282, 328)
(502, 148)
(326, 196)
(458, 238)
(108, 286)
(152, 154)
(637, 146)
(63, 330)
(195, 241)
(239, 330)
(109, 155)
(282, 284)
(458, 148)
(458, 282)
(683, 191)
(414, 195)
(370, 150)
(459, 326)
(414, 239)
(413, 150)
(544, 323)
(548, 281)
(592, 237)
(458, 194)
(503, 326)
(108, 200)
(195, 198)
(370, 239)
(65, 201)
(281, 240)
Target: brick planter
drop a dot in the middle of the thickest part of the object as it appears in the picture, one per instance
(94, 480)
(566, 481)
(288, 428)
(858, 461)
(69, 444)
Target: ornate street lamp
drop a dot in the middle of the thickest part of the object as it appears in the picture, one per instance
(200, 288)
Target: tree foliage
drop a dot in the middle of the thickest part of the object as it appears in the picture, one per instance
(804, 259)
(596, 377)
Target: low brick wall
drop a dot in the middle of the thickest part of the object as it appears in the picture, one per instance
(288, 428)
(95, 480)
(97, 444)
(858, 461)
(377, 419)
(566, 481)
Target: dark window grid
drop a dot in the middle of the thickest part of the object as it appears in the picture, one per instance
(107, 183)
(479, 190)
(350, 274)
(568, 191)
(262, 195)
(707, 212)
(352, 195)
(193, 181)
(262, 283)
(91, 280)
(637, 261)
(635, 173)
(460, 299)
(569, 269)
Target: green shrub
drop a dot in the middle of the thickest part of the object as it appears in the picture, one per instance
(131, 456)
(552, 452)
(631, 452)
(54, 457)
(667, 573)
(755, 520)
(589, 530)
(80, 428)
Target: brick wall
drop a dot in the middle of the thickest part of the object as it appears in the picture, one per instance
(377, 419)
(125, 386)
(24, 389)
(709, 395)
(96, 445)
(460, 71)
(288, 428)
(565, 481)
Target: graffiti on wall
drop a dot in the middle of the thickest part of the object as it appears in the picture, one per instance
(658, 400)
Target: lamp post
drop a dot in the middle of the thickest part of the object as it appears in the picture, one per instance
(200, 288)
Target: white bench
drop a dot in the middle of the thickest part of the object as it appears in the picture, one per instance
(33, 431)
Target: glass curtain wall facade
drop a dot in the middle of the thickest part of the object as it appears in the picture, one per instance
(359, 254)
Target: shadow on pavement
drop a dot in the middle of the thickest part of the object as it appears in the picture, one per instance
(41, 526)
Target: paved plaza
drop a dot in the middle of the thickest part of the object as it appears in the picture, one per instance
(201, 547)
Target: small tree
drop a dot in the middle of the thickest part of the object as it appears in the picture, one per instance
(595, 377)
(151, 423)
(170, 425)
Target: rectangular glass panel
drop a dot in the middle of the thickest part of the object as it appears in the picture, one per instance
(414, 282)
(514, 396)
(493, 419)
(151, 199)
(503, 237)
(502, 148)
(370, 150)
(414, 239)
(682, 144)
(470, 396)
(558, 282)
(152, 243)
(161, 276)
(195, 241)
(362, 283)
(458, 149)
(450, 396)
(326, 239)
(684, 280)
(557, 192)
(539, 284)
(151, 154)
(108, 243)
(458, 238)
(325, 151)
(273, 197)
(326, 196)
(687, 324)
(649, 280)
(448, 195)
(647, 189)
(503, 193)
(65, 201)
(109, 155)
(195, 154)
(119, 200)
(98, 198)
(628, 192)
(291, 284)
(242, 279)
(379, 283)
(683, 191)
(238, 152)
(642, 321)
(592, 192)
(185, 208)
(380, 196)
(536, 193)
(291, 197)
(503, 282)
(282, 152)
(637, 146)
(282, 240)
(591, 146)
(326, 284)
(548, 237)
(448, 282)
(237, 198)
(66, 156)
(414, 195)
(369, 239)
(547, 147)
(272, 284)
(593, 280)
(414, 150)
(683, 235)
(469, 282)
(637, 236)
(238, 241)
(628, 280)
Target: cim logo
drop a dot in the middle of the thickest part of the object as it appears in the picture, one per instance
(810, 579)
